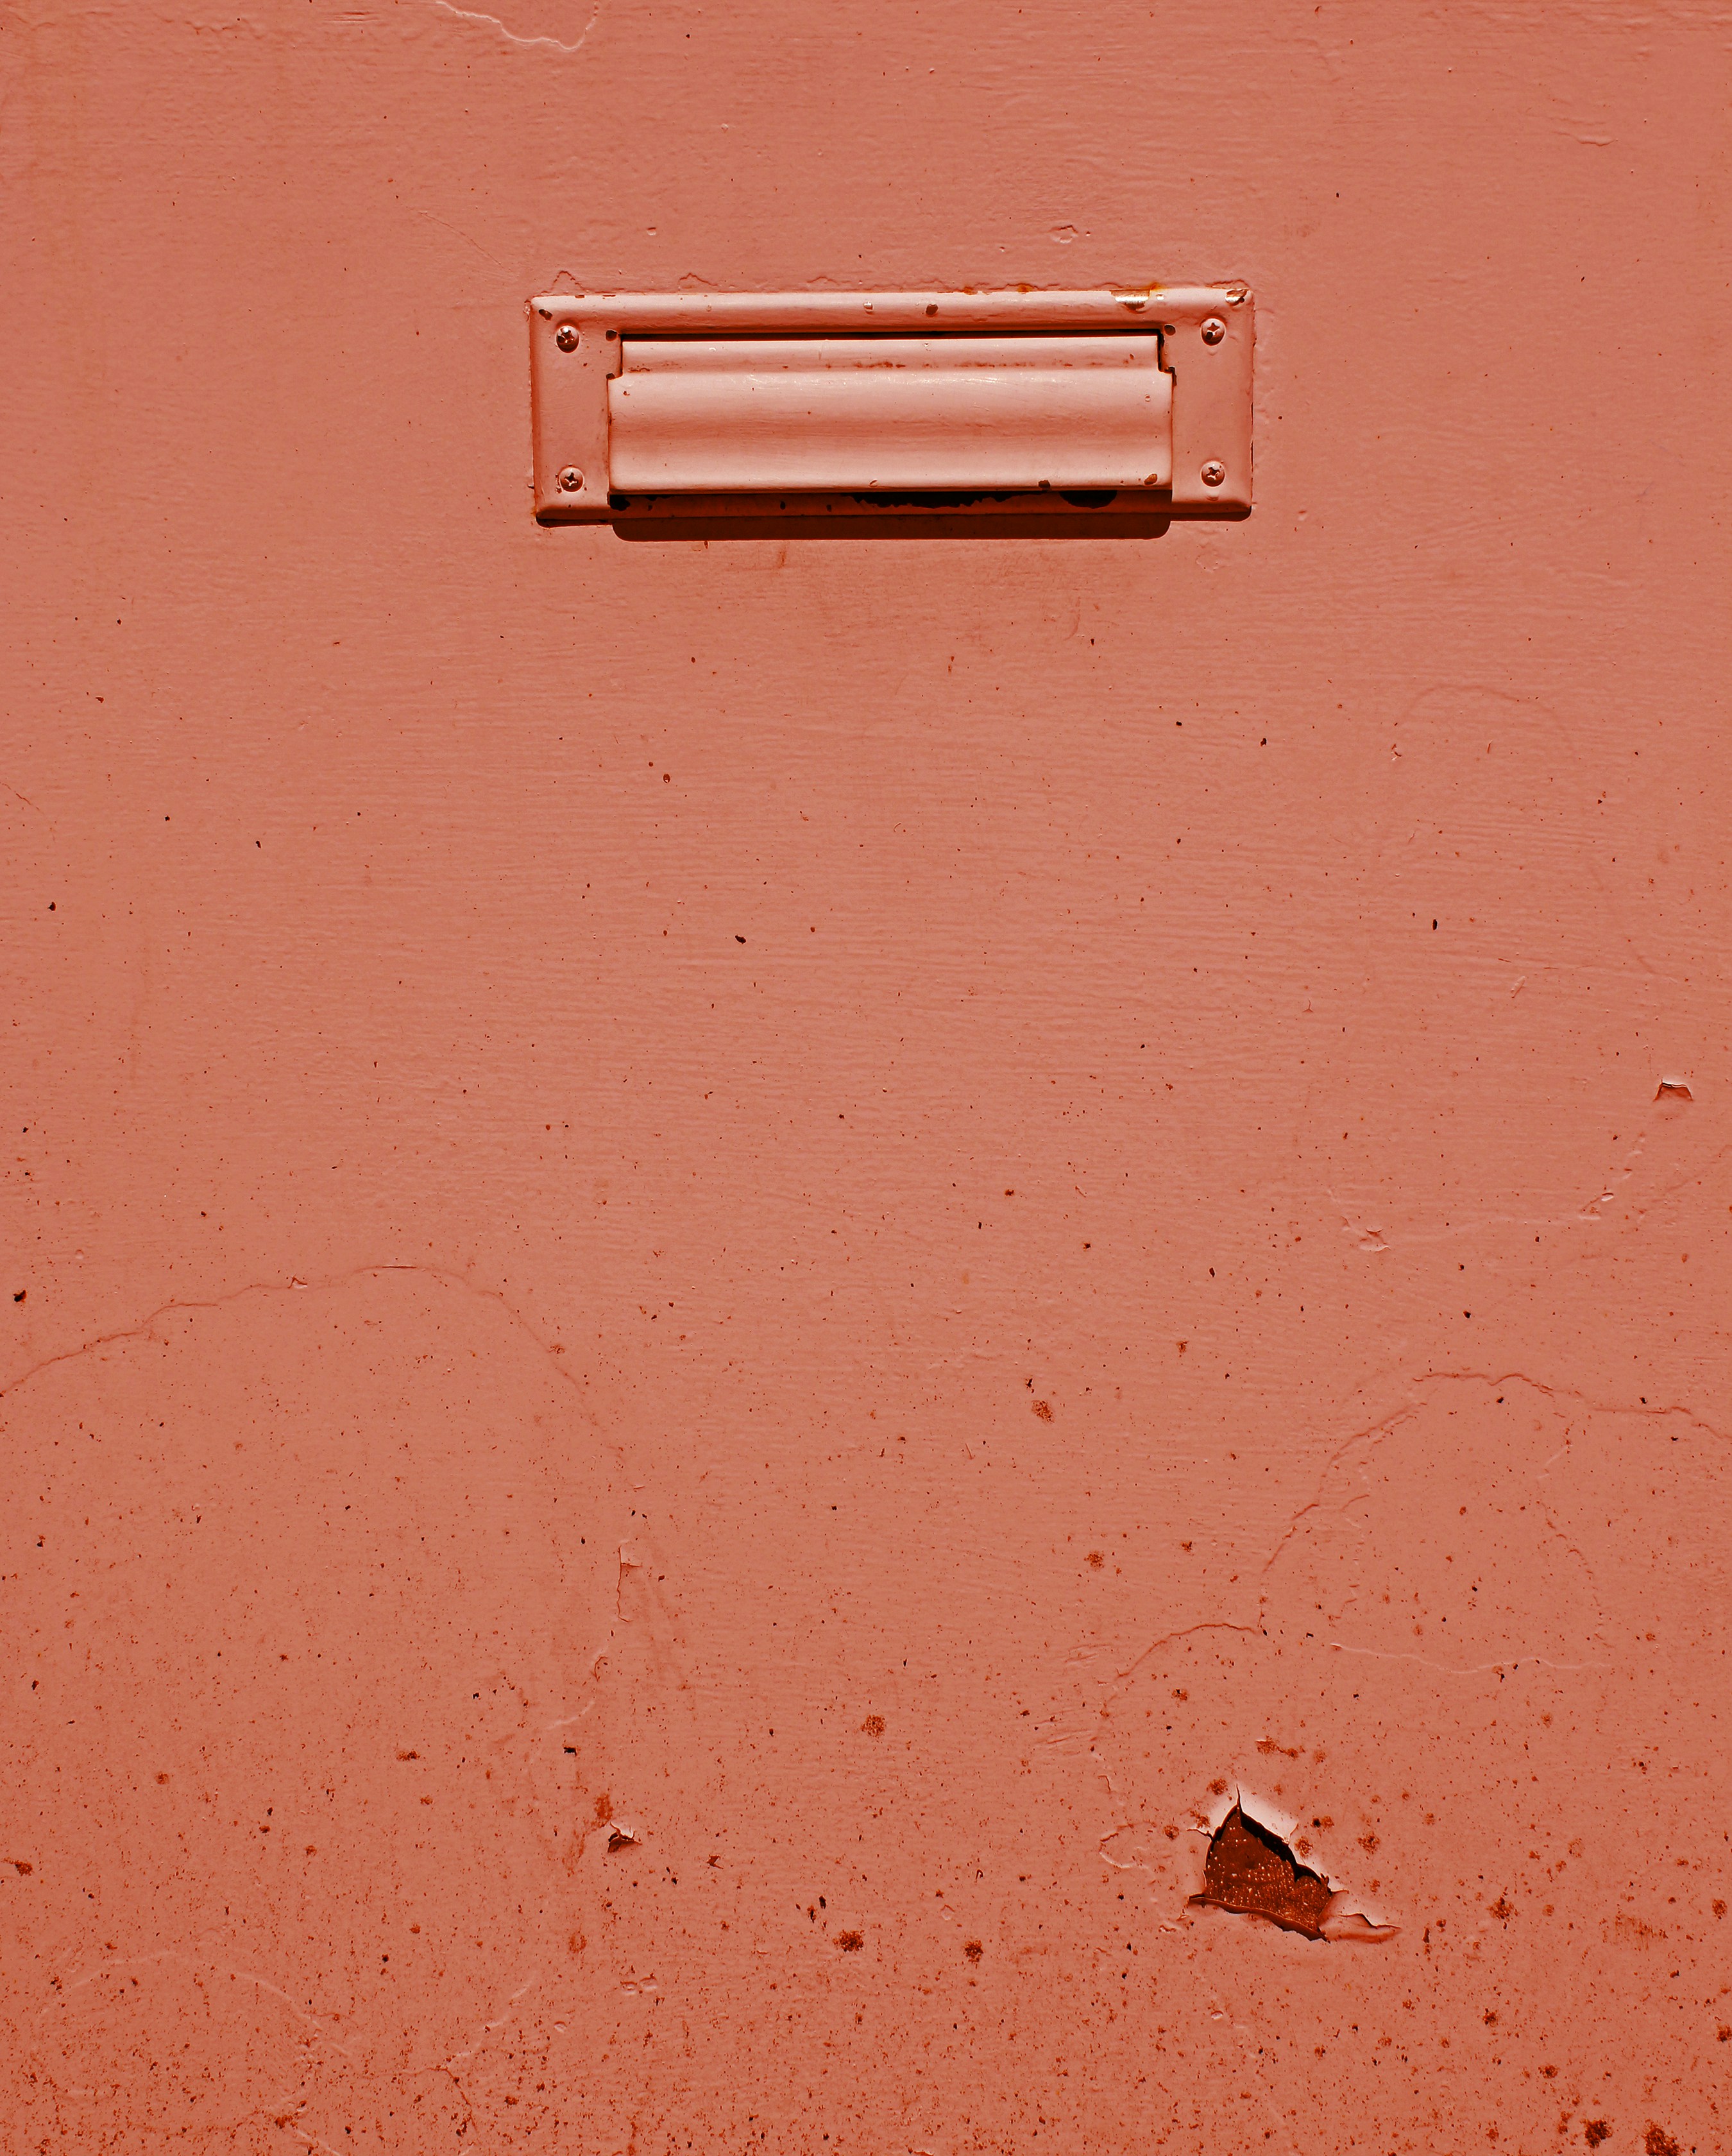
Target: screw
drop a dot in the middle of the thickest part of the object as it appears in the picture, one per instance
(1213, 474)
(565, 336)
(571, 479)
(1213, 330)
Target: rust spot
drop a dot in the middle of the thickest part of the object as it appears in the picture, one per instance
(974, 1950)
(1254, 1873)
(1268, 1744)
(1659, 2142)
(604, 1808)
(1368, 1842)
(1594, 2131)
(874, 1724)
(850, 1942)
(1096, 1559)
(1043, 1409)
(1217, 1788)
(409, 1755)
(18, 1865)
(1502, 1909)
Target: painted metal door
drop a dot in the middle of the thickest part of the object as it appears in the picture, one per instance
(740, 1265)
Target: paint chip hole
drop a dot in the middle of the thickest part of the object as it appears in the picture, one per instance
(1250, 1872)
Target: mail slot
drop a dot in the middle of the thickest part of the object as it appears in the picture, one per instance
(1050, 401)
(705, 416)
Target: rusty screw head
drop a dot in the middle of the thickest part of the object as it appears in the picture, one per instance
(565, 336)
(571, 479)
(1214, 330)
(1213, 474)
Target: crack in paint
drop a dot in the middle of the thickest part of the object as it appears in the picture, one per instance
(169, 1957)
(1469, 1669)
(1356, 1223)
(1387, 1424)
(1570, 1392)
(1382, 1428)
(142, 1330)
(631, 1559)
(445, 2067)
(493, 22)
(1208, 1625)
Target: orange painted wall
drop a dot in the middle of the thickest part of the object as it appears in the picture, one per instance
(715, 1249)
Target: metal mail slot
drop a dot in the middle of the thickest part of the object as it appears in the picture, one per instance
(710, 416)
(811, 402)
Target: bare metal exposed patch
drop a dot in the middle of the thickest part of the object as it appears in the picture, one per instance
(1250, 1872)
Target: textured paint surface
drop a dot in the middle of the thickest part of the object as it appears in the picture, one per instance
(733, 1269)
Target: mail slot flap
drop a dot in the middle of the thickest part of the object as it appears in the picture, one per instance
(921, 414)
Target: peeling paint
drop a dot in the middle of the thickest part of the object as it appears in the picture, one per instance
(1252, 1872)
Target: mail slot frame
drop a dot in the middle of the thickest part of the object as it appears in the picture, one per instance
(1206, 332)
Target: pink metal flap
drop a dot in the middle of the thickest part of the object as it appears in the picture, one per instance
(920, 414)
